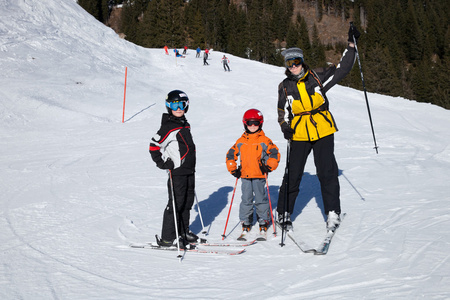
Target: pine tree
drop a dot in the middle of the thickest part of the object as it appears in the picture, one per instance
(222, 26)
(94, 7)
(237, 37)
(303, 41)
(317, 58)
(196, 30)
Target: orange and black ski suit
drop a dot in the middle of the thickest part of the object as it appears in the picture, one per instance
(252, 148)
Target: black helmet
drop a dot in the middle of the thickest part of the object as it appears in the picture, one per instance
(178, 99)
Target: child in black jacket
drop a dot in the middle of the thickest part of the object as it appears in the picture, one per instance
(173, 149)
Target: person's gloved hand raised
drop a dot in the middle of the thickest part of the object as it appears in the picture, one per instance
(353, 32)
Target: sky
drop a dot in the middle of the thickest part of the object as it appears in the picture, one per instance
(78, 185)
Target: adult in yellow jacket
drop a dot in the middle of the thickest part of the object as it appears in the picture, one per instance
(258, 155)
(306, 121)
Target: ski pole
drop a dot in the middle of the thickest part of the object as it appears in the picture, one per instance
(286, 195)
(270, 204)
(200, 214)
(365, 92)
(231, 204)
(175, 214)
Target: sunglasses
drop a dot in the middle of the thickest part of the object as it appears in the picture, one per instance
(253, 122)
(177, 105)
(293, 62)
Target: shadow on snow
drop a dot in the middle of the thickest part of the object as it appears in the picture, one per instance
(219, 200)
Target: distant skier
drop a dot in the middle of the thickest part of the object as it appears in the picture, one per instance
(198, 52)
(205, 58)
(309, 126)
(185, 49)
(225, 62)
(177, 53)
(258, 156)
(172, 148)
(166, 49)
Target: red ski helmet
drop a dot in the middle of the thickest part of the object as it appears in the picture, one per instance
(253, 116)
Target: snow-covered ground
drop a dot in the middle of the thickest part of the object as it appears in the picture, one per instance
(78, 185)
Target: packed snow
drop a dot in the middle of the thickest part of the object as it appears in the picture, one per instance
(78, 185)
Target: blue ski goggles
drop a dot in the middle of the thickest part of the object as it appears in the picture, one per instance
(177, 105)
(293, 62)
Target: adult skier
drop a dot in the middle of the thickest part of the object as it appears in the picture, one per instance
(307, 123)
(225, 62)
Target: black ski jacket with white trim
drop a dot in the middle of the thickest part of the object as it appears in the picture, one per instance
(174, 140)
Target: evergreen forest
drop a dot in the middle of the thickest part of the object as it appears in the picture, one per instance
(403, 48)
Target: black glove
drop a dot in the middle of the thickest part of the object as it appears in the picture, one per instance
(166, 165)
(288, 132)
(236, 173)
(353, 32)
(264, 168)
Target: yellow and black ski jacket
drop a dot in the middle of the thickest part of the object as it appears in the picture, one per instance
(302, 103)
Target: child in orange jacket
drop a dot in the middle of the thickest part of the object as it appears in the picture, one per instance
(258, 156)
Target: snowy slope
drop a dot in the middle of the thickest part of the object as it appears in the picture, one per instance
(78, 185)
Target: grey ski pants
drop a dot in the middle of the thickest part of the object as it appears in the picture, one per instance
(254, 197)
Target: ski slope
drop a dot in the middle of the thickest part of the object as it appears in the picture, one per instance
(78, 185)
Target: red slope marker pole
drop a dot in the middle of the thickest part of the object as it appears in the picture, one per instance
(124, 95)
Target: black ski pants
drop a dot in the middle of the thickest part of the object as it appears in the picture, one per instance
(184, 191)
(326, 168)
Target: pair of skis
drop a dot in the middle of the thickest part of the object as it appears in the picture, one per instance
(232, 248)
(262, 236)
(323, 247)
(202, 247)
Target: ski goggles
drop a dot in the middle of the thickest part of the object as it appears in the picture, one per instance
(252, 123)
(293, 62)
(177, 105)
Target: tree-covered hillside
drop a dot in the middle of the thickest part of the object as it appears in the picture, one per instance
(404, 46)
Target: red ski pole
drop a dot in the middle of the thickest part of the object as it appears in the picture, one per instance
(231, 204)
(270, 204)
